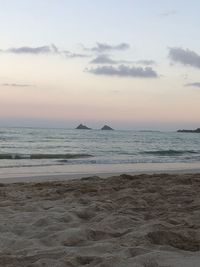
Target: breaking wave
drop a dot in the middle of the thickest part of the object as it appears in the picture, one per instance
(43, 156)
(170, 152)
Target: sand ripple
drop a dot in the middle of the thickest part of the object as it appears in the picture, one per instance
(124, 221)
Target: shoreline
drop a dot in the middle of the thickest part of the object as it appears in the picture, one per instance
(69, 172)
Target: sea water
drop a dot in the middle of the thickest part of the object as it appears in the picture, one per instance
(34, 147)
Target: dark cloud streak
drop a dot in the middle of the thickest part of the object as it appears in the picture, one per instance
(168, 13)
(196, 84)
(104, 47)
(33, 50)
(105, 59)
(69, 54)
(124, 71)
(184, 56)
(47, 49)
(16, 85)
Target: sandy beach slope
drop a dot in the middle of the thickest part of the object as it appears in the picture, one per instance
(123, 221)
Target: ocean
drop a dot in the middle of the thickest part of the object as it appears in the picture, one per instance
(34, 147)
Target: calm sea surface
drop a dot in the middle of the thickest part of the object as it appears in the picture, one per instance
(21, 147)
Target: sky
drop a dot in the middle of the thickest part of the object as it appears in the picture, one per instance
(132, 64)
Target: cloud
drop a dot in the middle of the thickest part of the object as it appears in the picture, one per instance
(54, 50)
(168, 13)
(34, 50)
(69, 54)
(184, 56)
(196, 84)
(146, 62)
(47, 49)
(103, 47)
(124, 71)
(103, 59)
(15, 85)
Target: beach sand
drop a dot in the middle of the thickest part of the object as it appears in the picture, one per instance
(121, 221)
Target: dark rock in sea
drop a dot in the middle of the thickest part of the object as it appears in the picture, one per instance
(106, 127)
(189, 131)
(82, 127)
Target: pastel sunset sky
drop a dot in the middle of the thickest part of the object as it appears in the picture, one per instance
(133, 64)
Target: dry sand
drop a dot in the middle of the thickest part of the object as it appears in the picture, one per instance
(143, 220)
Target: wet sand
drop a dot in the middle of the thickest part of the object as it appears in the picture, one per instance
(72, 171)
(121, 221)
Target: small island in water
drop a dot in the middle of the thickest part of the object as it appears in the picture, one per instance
(107, 128)
(189, 131)
(83, 127)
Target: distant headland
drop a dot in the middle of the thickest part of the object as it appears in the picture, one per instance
(189, 131)
(84, 127)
